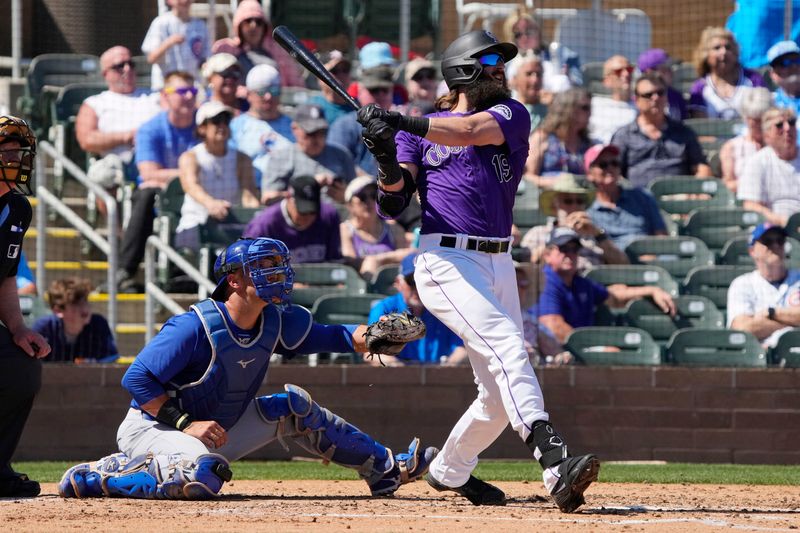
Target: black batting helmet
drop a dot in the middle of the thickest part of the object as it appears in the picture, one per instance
(460, 65)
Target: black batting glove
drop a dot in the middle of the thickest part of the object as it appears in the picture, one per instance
(371, 112)
(382, 148)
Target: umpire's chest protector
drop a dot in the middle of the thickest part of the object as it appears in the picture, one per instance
(236, 370)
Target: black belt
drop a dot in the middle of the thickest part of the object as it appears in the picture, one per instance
(488, 246)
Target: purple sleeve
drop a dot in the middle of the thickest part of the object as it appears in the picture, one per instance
(255, 228)
(334, 246)
(696, 99)
(515, 122)
(599, 291)
(755, 78)
(408, 148)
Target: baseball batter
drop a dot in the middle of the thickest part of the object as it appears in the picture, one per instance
(466, 161)
(194, 407)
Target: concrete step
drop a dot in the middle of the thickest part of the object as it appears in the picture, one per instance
(63, 244)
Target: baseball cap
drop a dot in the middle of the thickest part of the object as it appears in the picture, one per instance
(262, 77)
(782, 48)
(561, 236)
(358, 185)
(376, 54)
(306, 193)
(565, 183)
(652, 59)
(376, 78)
(416, 65)
(211, 109)
(407, 265)
(219, 63)
(762, 229)
(310, 118)
(596, 151)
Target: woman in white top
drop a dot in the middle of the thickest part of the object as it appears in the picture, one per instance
(213, 177)
(736, 152)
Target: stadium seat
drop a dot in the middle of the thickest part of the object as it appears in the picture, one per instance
(223, 232)
(593, 77)
(716, 348)
(714, 127)
(679, 195)
(713, 282)
(793, 226)
(634, 275)
(736, 252)
(168, 207)
(607, 346)
(786, 353)
(717, 225)
(676, 255)
(692, 311)
(313, 280)
(344, 309)
(526, 218)
(383, 280)
(673, 230)
(683, 76)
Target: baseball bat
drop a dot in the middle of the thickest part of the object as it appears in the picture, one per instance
(289, 42)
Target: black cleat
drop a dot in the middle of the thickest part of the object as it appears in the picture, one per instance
(576, 473)
(477, 491)
(19, 486)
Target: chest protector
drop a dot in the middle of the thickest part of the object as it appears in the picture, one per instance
(235, 371)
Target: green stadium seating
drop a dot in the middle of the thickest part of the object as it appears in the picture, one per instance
(679, 195)
(717, 225)
(677, 255)
(716, 348)
(736, 252)
(383, 280)
(714, 127)
(526, 218)
(344, 308)
(713, 282)
(313, 280)
(692, 311)
(607, 346)
(786, 353)
(634, 275)
(793, 225)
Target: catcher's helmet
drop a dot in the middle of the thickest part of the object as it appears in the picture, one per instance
(460, 65)
(265, 261)
(17, 153)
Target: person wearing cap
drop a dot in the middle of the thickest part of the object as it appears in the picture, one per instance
(421, 80)
(610, 113)
(525, 75)
(566, 206)
(718, 91)
(223, 75)
(263, 128)
(736, 152)
(766, 301)
(301, 220)
(439, 346)
(106, 123)
(624, 213)
(770, 184)
(654, 144)
(311, 155)
(374, 87)
(368, 240)
(784, 63)
(658, 61)
(570, 300)
(159, 144)
(176, 41)
(213, 176)
(332, 104)
(252, 44)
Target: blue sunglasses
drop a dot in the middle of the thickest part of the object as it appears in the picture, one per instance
(490, 60)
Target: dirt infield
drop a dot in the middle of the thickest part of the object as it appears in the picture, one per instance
(284, 506)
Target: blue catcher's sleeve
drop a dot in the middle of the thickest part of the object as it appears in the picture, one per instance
(322, 338)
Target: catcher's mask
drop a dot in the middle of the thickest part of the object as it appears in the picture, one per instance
(265, 261)
(461, 63)
(17, 153)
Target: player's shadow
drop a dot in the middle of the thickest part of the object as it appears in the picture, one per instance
(310, 497)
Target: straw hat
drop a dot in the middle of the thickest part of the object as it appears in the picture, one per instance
(565, 183)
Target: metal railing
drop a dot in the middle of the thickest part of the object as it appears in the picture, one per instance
(154, 293)
(109, 246)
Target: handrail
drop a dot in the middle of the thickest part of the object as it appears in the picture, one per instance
(153, 292)
(108, 247)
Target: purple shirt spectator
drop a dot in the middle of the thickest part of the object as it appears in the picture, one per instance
(703, 96)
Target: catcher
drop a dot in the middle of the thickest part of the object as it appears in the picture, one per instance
(194, 407)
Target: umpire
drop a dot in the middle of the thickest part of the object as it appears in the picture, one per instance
(20, 348)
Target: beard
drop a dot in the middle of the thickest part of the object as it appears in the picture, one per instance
(485, 93)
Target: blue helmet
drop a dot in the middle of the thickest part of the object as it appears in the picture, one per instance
(272, 281)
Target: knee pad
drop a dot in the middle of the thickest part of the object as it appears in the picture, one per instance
(547, 446)
(210, 472)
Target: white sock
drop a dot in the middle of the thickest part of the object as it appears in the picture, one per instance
(550, 477)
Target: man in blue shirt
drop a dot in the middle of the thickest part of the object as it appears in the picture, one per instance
(439, 345)
(194, 404)
(784, 62)
(159, 143)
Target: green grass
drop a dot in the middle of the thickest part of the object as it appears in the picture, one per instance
(50, 471)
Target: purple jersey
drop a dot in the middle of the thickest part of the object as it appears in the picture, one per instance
(470, 189)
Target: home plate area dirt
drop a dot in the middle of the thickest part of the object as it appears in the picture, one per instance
(289, 506)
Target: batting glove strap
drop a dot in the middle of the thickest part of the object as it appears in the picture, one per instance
(418, 126)
(172, 415)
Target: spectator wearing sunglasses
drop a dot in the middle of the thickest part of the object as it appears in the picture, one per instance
(334, 106)
(654, 144)
(159, 144)
(565, 205)
(252, 44)
(107, 122)
(623, 212)
(223, 75)
(421, 82)
(570, 300)
(657, 60)
(771, 181)
(784, 62)
(736, 152)
(610, 113)
(766, 301)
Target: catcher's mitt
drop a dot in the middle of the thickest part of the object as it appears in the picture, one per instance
(390, 334)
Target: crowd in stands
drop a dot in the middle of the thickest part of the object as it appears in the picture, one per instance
(214, 120)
